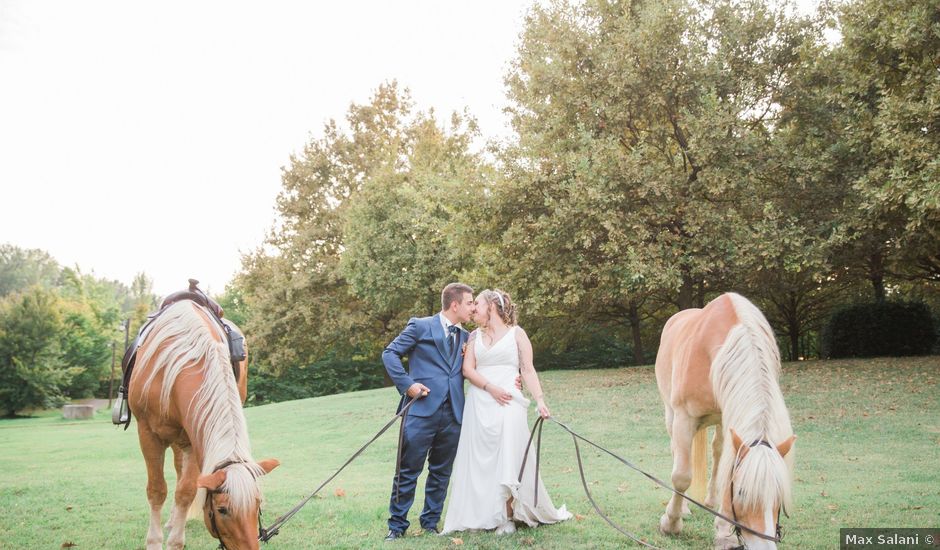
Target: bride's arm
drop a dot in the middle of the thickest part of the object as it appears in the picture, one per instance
(529, 375)
(470, 373)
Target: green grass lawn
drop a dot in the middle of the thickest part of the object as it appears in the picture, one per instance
(868, 455)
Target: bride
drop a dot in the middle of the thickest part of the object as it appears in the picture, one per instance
(485, 488)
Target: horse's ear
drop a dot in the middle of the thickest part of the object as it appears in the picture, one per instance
(736, 440)
(784, 448)
(211, 481)
(269, 464)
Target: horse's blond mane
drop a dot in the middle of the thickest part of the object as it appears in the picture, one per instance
(181, 338)
(745, 375)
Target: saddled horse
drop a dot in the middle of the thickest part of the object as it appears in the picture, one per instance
(184, 395)
(720, 365)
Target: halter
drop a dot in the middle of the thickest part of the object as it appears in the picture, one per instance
(214, 529)
(737, 530)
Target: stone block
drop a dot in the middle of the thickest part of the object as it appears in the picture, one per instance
(73, 412)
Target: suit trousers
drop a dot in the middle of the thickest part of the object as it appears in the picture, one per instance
(433, 438)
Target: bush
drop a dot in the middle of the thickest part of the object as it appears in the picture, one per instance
(880, 329)
(325, 377)
(597, 352)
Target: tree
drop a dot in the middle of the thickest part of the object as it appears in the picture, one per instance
(640, 165)
(890, 53)
(31, 371)
(881, 95)
(22, 268)
(405, 227)
(233, 305)
(342, 269)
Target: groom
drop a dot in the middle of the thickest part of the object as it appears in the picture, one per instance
(433, 346)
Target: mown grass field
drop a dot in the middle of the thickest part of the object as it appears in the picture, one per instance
(868, 455)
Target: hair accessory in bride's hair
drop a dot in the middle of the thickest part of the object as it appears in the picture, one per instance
(499, 296)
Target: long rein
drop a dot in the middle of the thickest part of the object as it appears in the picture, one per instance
(264, 535)
(575, 437)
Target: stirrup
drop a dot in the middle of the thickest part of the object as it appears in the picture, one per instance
(120, 413)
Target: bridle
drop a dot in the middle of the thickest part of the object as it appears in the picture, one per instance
(213, 528)
(737, 530)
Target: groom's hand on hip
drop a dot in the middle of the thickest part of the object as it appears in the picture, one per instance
(417, 389)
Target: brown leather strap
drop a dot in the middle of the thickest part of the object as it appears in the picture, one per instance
(538, 426)
(664, 485)
(266, 534)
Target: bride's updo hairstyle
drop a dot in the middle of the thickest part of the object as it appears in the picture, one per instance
(504, 306)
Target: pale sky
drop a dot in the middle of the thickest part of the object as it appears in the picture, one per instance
(150, 136)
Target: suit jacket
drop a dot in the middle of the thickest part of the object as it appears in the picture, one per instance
(423, 342)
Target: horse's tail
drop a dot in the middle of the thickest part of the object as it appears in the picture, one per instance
(699, 465)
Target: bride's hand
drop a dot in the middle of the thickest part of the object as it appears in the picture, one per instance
(499, 394)
(543, 409)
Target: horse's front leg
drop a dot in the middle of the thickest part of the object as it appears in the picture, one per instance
(683, 429)
(711, 493)
(154, 452)
(186, 474)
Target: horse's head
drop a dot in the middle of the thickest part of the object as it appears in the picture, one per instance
(759, 488)
(231, 510)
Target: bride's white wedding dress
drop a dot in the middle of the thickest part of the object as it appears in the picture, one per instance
(492, 443)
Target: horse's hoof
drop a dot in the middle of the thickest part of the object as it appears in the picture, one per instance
(726, 543)
(669, 527)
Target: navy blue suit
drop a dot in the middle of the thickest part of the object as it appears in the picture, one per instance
(432, 425)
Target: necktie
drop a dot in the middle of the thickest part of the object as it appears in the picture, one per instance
(452, 340)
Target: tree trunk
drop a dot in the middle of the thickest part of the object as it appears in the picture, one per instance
(794, 330)
(700, 294)
(876, 274)
(686, 291)
(638, 356)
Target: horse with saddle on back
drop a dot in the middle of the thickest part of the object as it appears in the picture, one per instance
(185, 380)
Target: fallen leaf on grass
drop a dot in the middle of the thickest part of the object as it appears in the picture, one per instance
(68, 508)
(456, 541)
(68, 544)
(579, 517)
(833, 507)
(824, 494)
(340, 492)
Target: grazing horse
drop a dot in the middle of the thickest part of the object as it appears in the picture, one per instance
(184, 395)
(720, 365)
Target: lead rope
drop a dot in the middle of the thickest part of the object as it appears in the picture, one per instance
(265, 535)
(575, 436)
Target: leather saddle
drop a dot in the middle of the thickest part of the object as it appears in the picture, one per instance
(121, 413)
